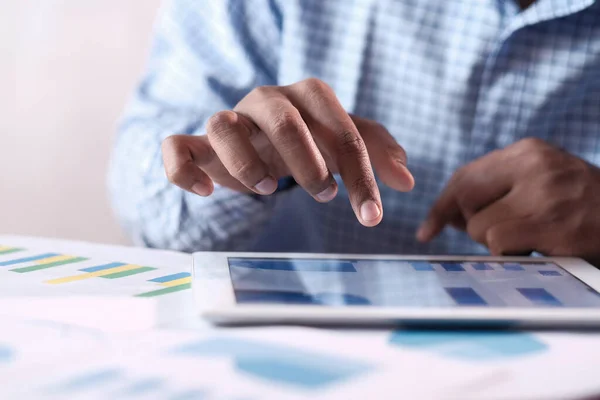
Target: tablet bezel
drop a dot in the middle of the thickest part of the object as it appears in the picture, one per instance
(215, 299)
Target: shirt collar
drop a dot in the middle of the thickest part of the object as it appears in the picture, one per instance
(545, 10)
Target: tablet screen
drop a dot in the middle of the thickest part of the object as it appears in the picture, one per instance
(398, 283)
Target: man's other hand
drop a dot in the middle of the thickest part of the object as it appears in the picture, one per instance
(299, 130)
(527, 197)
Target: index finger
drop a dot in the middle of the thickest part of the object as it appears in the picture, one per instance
(336, 134)
(470, 189)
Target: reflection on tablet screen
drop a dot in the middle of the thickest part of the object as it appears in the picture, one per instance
(401, 283)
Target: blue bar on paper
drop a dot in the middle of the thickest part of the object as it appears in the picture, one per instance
(294, 265)
(278, 364)
(103, 267)
(465, 296)
(27, 259)
(169, 278)
(540, 297)
(513, 267)
(550, 273)
(422, 266)
(452, 267)
(482, 267)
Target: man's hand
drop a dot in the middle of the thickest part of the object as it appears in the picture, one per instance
(527, 197)
(299, 130)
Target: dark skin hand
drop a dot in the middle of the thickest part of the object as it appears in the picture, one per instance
(527, 197)
(300, 130)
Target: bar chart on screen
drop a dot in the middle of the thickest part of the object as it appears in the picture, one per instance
(53, 272)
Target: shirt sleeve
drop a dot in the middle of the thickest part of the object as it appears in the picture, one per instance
(206, 56)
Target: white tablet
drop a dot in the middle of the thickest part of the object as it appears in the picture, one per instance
(242, 288)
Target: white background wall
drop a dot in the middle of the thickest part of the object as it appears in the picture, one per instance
(67, 68)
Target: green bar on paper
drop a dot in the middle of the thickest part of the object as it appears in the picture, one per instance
(127, 273)
(9, 251)
(48, 265)
(167, 290)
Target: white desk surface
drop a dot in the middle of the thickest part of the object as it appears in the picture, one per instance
(68, 333)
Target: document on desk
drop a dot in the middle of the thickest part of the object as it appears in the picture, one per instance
(40, 267)
(250, 363)
(100, 336)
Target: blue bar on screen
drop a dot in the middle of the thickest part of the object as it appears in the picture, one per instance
(540, 297)
(452, 267)
(421, 266)
(294, 265)
(482, 267)
(550, 273)
(513, 267)
(466, 296)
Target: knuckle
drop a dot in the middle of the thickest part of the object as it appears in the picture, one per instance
(284, 121)
(396, 152)
(315, 85)
(246, 172)
(539, 160)
(221, 121)
(176, 174)
(551, 183)
(170, 142)
(263, 91)
(530, 144)
(362, 184)
(349, 143)
(313, 179)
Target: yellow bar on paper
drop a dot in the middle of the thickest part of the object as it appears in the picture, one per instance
(92, 274)
(177, 282)
(53, 259)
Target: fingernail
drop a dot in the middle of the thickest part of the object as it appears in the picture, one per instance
(200, 189)
(369, 211)
(327, 194)
(266, 186)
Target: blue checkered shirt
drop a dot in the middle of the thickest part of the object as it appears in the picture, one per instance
(451, 80)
